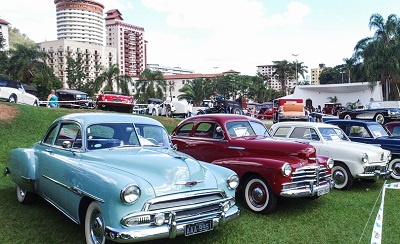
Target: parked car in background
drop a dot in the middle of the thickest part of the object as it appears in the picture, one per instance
(378, 114)
(353, 160)
(172, 108)
(120, 177)
(289, 109)
(374, 133)
(266, 111)
(73, 99)
(14, 92)
(332, 108)
(393, 127)
(267, 168)
(115, 101)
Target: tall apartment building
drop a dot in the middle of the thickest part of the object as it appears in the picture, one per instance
(80, 20)
(4, 34)
(129, 42)
(268, 70)
(315, 72)
(80, 32)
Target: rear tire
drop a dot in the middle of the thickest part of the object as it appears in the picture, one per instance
(347, 117)
(394, 165)
(380, 119)
(12, 99)
(236, 111)
(24, 196)
(259, 196)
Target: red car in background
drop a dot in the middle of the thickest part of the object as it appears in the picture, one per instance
(267, 111)
(267, 168)
(114, 101)
(332, 108)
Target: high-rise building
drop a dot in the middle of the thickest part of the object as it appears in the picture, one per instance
(80, 20)
(268, 70)
(129, 43)
(4, 34)
(315, 72)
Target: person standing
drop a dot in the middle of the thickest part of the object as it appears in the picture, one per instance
(52, 100)
(190, 108)
(319, 114)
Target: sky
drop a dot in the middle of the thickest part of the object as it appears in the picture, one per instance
(214, 36)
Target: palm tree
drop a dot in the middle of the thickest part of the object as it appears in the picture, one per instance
(150, 84)
(349, 65)
(283, 71)
(193, 91)
(380, 53)
(111, 76)
(301, 69)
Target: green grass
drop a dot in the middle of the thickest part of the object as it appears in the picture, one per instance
(339, 217)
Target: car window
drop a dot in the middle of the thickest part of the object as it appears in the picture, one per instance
(282, 132)
(107, 135)
(184, 130)
(332, 134)
(378, 130)
(50, 135)
(396, 131)
(304, 133)
(69, 132)
(3, 83)
(359, 131)
(205, 129)
(259, 129)
(153, 135)
(239, 129)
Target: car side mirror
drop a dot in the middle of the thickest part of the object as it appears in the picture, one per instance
(66, 144)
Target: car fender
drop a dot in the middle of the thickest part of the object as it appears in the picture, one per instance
(269, 169)
(22, 164)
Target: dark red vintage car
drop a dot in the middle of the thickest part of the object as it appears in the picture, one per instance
(267, 168)
(267, 111)
(393, 127)
(115, 101)
(332, 108)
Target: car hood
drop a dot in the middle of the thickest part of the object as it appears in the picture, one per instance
(167, 171)
(374, 151)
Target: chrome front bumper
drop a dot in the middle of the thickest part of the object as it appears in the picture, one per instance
(375, 175)
(169, 230)
(310, 191)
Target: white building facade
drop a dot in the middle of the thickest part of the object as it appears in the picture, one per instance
(4, 33)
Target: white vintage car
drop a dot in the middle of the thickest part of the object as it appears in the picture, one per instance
(353, 160)
(172, 108)
(13, 91)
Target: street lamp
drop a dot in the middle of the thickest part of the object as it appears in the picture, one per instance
(295, 55)
(342, 75)
(215, 69)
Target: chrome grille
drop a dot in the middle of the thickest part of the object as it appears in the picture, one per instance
(302, 177)
(183, 202)
(372, 169)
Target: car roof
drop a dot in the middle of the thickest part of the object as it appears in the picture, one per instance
(67, 91)
(94, 118)
(352, 122)
(305, 124)
(220, 118)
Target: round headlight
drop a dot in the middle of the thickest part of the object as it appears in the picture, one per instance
(130, 194)
(364, 158)
(286, 169)
(233, 181)
(330, 163)
(159, 219)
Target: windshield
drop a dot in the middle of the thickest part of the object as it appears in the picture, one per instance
(239, 129)
(378, 130)
(333, 134)
(109, 135)
(259, 129)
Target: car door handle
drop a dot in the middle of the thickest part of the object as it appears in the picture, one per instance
(49, 151)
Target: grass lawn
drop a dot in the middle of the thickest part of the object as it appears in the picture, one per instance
(338, 217)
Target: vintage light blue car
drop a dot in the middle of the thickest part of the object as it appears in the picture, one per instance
(119, 176)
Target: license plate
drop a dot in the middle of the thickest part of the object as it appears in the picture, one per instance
(323, 190)
(196, 228)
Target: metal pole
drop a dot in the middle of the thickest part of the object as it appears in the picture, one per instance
(297, 80)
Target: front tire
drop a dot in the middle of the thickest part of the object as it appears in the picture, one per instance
(342, 177)
(24, 196)
(94, 224)
(394, 165)
(168, 113)
(236, 111)
(259, 196)
(380, 119)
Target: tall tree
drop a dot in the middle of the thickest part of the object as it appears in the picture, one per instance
(380, 54)
(193, 91)
(283, 71)
(23, 61)
(151, 84)
(111, 76)
(75, 73)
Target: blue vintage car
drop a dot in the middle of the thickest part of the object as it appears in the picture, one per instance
(372, 132)
(119, 176)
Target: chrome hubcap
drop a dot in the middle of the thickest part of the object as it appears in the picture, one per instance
(396, 168)
(339, 177)
(97, 228)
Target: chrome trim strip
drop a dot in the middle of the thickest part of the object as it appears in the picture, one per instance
(75, 190)
(237, 148)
